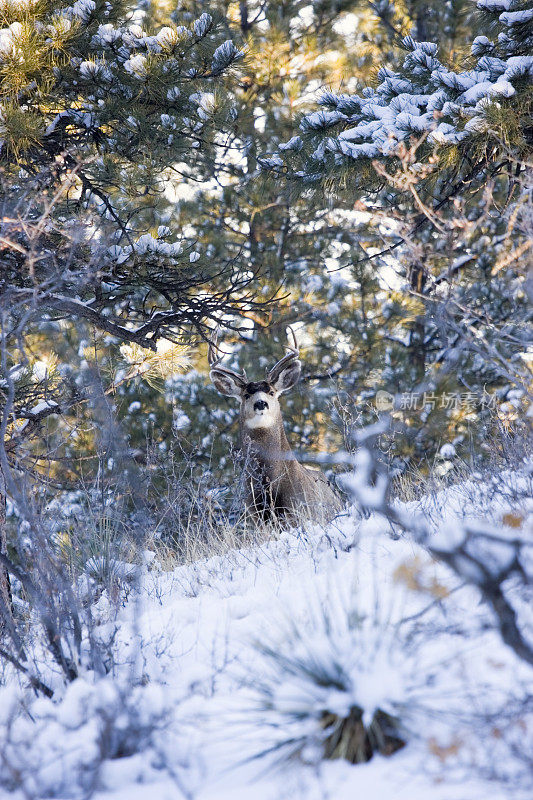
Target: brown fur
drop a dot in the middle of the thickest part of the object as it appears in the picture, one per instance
(277, 484)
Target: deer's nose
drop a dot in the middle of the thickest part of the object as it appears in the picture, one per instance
(259, 405)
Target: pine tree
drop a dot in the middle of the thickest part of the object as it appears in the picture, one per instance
(95, 113)
(436, 153)
(291, 49)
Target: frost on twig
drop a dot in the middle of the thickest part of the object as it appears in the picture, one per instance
(479, 553)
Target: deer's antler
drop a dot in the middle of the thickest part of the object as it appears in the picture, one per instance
(292, 355)
(215, 360)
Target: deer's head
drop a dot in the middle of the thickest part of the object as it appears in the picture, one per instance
(259, 399)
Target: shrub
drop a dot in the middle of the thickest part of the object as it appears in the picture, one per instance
(333, 686)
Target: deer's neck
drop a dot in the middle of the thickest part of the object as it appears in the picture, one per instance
(267, 446)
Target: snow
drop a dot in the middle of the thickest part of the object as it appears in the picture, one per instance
(519, 65)
(224, 55)
(485, 89)
(107, 34)
(313, 283)
(167, 37)
(89, 69)
(8, 39)
(447, 450)
(494, 5)
(41, 407)
(293, 144)
(145, 244)
(517, 17)
(272, 161)
(231, 650)
(425, 98)
(83, 9)
(202, 25)
(449, 537)
(321, 119)
(180, 420)
(136, 66)
(118, 253)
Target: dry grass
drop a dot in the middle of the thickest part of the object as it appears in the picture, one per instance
(504, 447)
(418, 482)
(209, 535)
(198, 519)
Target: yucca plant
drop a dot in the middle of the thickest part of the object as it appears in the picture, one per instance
(333, 685)
(356, 742)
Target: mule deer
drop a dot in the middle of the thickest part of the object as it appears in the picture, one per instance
(277, 485)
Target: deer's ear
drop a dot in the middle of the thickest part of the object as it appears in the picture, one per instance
(225, 384)
(288, 377)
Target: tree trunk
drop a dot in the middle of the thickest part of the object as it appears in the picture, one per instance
(243, 10)
(417, 337)
(5, 585)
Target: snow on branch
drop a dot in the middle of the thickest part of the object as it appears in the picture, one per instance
(224, 56)
(425, 97)
(479, 553)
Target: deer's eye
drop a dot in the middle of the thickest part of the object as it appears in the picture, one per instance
(271, 394)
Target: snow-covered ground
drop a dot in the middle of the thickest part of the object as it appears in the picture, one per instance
(217, 663)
